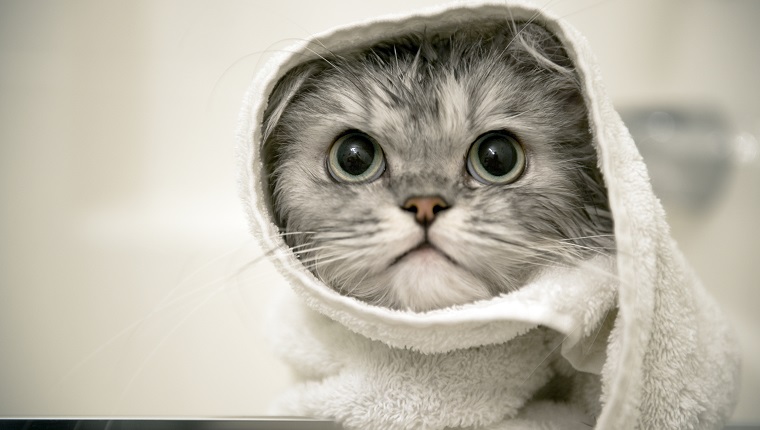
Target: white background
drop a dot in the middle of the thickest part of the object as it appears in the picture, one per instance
(121, 235)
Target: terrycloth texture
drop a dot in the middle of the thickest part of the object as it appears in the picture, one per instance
(367, 384)
(666, 356)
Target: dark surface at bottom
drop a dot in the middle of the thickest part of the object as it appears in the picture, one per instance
(167, 424)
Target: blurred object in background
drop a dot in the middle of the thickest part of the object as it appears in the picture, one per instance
(690, 152)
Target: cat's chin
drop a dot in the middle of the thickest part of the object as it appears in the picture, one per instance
(426, 279)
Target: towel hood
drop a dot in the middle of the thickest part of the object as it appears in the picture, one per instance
(658, 287)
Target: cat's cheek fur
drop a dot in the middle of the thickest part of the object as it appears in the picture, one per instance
(367, 256)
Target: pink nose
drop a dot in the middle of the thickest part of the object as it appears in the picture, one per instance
(425, 208)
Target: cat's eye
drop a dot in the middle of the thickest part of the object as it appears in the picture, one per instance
(496, 157)
(355, 157)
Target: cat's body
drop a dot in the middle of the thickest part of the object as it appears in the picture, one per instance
(421, 222)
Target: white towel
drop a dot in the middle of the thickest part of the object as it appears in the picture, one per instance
(665, 354)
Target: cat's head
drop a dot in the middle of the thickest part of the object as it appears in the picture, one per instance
(438, 168)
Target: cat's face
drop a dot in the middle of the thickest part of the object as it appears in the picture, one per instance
(434, 171)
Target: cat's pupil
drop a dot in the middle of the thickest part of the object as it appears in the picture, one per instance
(355, 155)
(497, 155)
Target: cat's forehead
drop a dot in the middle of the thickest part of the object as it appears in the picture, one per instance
(420, 121)
(441, 117)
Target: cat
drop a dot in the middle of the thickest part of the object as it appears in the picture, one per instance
(434, 170)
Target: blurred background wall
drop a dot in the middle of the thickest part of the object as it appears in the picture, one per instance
(121, 236)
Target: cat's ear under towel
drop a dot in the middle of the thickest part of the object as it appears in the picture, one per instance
(639, 321)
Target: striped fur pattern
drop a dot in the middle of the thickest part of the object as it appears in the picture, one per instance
(425, 98)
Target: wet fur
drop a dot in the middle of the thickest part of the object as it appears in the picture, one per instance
(425, 98)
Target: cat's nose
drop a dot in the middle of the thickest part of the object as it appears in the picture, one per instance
(425, 208)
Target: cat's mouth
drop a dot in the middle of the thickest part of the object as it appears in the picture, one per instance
(422, 248)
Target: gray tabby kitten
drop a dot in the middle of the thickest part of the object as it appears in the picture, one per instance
(436, 169)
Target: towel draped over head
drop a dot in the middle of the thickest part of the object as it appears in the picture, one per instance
(665, 355)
